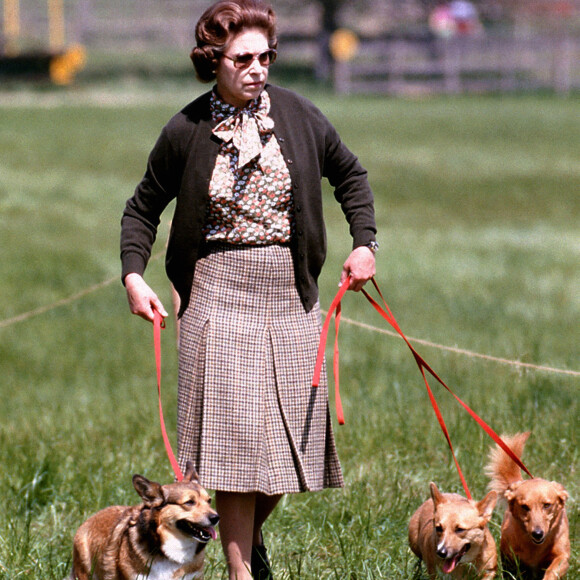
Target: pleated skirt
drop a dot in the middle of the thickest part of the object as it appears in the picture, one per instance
(248, 416)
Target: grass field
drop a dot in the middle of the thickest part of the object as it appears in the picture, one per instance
(478, 211)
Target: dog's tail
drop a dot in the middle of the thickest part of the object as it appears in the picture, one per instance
(501, 469)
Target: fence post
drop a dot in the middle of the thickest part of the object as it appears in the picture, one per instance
(451, 66)
(563, 65)
(342, 77)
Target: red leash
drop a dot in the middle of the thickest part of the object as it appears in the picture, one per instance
(320, 356)
(388, 316)
(158, 324)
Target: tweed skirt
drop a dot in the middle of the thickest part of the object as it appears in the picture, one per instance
(248, 416)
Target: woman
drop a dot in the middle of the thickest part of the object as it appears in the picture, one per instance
(244, 163)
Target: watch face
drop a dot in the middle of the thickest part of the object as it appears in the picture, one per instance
(373, 246)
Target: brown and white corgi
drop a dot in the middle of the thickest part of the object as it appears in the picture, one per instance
(163, 538)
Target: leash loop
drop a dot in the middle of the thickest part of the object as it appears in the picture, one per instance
(158, 324)
(334, 306)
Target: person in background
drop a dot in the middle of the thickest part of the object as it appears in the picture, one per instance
(244, 163)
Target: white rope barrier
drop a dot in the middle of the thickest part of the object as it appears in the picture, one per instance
(91, 289)
(462, 351)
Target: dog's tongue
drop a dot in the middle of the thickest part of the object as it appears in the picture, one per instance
(449, 565)
(212, 533)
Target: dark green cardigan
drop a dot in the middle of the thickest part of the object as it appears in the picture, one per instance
(180, 167)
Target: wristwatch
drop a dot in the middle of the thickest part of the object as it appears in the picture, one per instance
(373, 247)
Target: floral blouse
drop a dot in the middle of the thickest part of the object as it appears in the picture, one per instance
(250, 190)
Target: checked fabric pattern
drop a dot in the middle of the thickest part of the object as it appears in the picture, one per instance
(248, 416)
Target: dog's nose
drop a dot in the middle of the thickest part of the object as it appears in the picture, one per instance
(537, 535)
(442, 552)
(214, 519)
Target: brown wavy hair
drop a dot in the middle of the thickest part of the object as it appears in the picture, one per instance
(220, 23)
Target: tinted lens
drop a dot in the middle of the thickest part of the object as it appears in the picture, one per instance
(244, 60)
(265, 58)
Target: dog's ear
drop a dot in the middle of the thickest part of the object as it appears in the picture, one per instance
(510, 491)
(486, 506)
(561, 492)
(150, 491)
(436, 495)
(190, 472)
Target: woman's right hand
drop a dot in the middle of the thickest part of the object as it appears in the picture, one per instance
(142, 300)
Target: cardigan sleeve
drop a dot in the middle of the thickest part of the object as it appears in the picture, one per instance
(142, 213)
(351, 187)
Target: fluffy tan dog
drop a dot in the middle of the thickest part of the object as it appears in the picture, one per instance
(534, 532)
(449, 532)
(161, 539)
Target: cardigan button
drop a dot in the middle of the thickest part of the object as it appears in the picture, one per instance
(289, 161)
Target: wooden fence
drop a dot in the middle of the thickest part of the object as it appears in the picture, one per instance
(419, 63)
(461, 65)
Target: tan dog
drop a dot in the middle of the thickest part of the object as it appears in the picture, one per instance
(534, 532)
(161, 539)
(449, 532)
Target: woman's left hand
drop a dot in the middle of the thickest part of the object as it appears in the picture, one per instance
(360, 266)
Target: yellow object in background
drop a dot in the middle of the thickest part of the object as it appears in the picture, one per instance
(343, 44)
(64, 67)
(56, 25)
(11, 28)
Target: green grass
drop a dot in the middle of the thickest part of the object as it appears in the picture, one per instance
(478, 208)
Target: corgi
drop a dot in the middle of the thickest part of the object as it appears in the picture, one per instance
(163, 538)
(449, 533)
(534, 533)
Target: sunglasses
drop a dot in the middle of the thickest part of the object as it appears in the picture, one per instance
(245, 59)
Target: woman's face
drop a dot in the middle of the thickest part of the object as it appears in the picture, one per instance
(238, 86)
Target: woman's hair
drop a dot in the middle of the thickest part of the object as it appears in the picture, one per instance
(220, 23)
